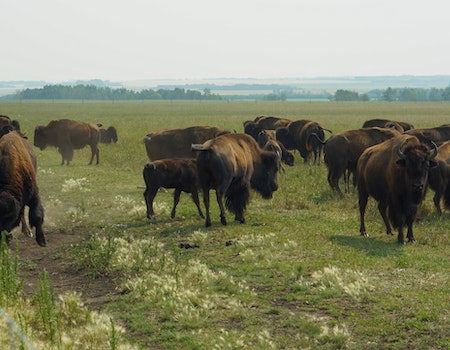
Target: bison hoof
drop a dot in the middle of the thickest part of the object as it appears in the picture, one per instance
(41, 242)
(207, 223)
(364, 234)
(223, 221)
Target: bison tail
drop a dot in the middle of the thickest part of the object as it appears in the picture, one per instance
(197, 147)
(237, 197)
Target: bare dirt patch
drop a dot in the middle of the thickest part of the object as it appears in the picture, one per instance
(63, 274)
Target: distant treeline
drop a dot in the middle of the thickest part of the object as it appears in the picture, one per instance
(280, 93)
(92, 92)
(397, 94)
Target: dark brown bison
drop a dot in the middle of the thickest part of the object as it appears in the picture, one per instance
(342, 150)
(269, 143)
(439, 177)
(108, 135)
(387, 123)
(176, 143)
(18, 186)
(231, 165)
(260, 123)
(438, 134)
(395, 174)
(177, 173)
(5, 120)
(67, 135)
(303, 135)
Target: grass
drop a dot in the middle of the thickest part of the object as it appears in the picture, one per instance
(296, 275)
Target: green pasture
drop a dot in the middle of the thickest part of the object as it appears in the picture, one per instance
(297, 275)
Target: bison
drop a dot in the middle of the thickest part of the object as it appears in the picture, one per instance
(268, 143)
(395, 174)
(438, 134)
(176, 143)
(231, 165)
(439, 177)
(108, 135)
(177, 173)
(342, 150)
(387, 123)
(67, 135)
(303, 135)
(18, 186)
(261, 123)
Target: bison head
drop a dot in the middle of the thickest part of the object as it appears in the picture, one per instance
(9, 212)
(416, 160)
(40, 139)
(265, 175)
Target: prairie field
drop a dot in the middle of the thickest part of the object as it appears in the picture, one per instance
(296, 275)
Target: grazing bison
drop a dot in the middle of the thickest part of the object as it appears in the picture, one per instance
(395, 174)
(342, 150)
(108, 135)
(177, 173)
(439, 177)
(231, 165)
(438, 134)
(267, 141)
(261, 123)
(67, 135)
(176, 143)
(387, 123)
(18, 186)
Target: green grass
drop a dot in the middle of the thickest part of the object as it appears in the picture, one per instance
(296, 275)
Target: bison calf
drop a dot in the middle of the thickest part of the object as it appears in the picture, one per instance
(177, 173)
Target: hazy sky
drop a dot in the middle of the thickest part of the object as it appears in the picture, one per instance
(61, 40)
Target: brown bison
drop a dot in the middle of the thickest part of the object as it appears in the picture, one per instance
(18, 186)
(177, 173)
(231, 165)
(395, 174)
(67, 135)
(439, 177)
(268, 143)
(303, 135)
(176, 143)
(260, 123)
(342, 150)
(108, 135)
(387, 123)
(438, 134)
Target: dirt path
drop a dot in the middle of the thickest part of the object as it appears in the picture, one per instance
(63, 275)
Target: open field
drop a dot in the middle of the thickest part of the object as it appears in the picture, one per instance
(296, 275)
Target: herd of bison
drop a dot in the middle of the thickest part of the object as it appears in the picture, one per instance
(388, 160)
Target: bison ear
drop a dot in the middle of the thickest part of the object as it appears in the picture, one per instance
(401, 163)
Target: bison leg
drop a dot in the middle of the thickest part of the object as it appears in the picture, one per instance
(437, 202)
(149, 196)
(362, 201)
(333, 180)
(219, 196)
(176, 200)
(94, 153)
(36, 217)
(197, 203)
(206, 203)
(401, 238)
(26, 230)
(382, 208)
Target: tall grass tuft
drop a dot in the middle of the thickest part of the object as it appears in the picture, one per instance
(10, 283)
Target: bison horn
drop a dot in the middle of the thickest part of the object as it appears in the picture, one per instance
(399, 151)
(435, 151)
